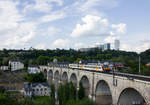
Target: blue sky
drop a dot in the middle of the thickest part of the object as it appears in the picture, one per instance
(50, 24)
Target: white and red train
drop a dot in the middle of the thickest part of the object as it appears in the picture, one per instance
(102, 68)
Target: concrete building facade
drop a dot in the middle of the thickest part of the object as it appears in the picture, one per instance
(36, 89)
(15, 65)
(33, 69)
(107, 46)
(117, 44)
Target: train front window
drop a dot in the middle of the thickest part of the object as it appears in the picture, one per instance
(105, 66)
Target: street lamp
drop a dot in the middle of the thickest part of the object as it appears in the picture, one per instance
(139, 64)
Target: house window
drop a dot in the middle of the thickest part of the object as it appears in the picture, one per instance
(33, 89)
(45, 89)
(41, 89)
(37, 89)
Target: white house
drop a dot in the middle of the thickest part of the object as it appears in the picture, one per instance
(36, 89)
(4, 68)
(27, 90)
(40, 89)
(33, 69)
(15, 65)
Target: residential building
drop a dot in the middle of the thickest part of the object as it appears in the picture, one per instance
(33, 69)
(148, 64)
(87, 49)
(118, 64)
(107, 46)
(36, 89)
(101, 47)
(27, 90)
(15, 65)
(4, 68)
(117, 44)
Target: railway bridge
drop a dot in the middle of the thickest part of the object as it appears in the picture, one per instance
(104, 88)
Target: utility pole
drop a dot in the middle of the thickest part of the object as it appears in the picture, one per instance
(113, 69)
(139, 64)
(93, 94)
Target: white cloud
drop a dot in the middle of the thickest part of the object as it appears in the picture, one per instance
(9, 15)
(137, 47)
(50, 31)
(126, 47)
(110, 39)
(79, 45)
(53, 31)
(61, 43)
(93, 26)
(120, 28)
(14, 31)
(18, 42)
(97, 26)
(142, 47)
(40, 46)
(145, 40)
(138, 44)
(86, 5)
(42, 5)
(52, 17)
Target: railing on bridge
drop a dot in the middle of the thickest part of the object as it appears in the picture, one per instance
(64, 65)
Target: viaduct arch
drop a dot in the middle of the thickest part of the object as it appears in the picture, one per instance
(64, 77)
(103, 94)
(86, 85)
(56, 78)
(131, 96)
(50, 76)
(73, 79)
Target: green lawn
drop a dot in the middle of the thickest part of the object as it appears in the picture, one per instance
(12, 92)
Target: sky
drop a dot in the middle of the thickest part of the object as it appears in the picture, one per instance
(65, 24)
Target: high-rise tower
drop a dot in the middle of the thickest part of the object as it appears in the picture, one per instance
(117, 44)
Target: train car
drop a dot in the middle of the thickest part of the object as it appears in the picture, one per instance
(74, 66)
(106, 68)
(102, 68)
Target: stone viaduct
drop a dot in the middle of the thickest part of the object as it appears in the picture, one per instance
(105, 89)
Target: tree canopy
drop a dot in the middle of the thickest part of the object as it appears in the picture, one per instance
(42, 57)
(38, 77)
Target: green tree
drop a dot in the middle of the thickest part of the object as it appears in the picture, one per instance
(78, 60)
(26, 101)
(52, 94)
(66, 92)
(81, 91)
(61, 96)
(38, 77)
(2, 89)
(43, 60)
(81, 102)
(5, 100)
(5, 61)
(73, 91)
